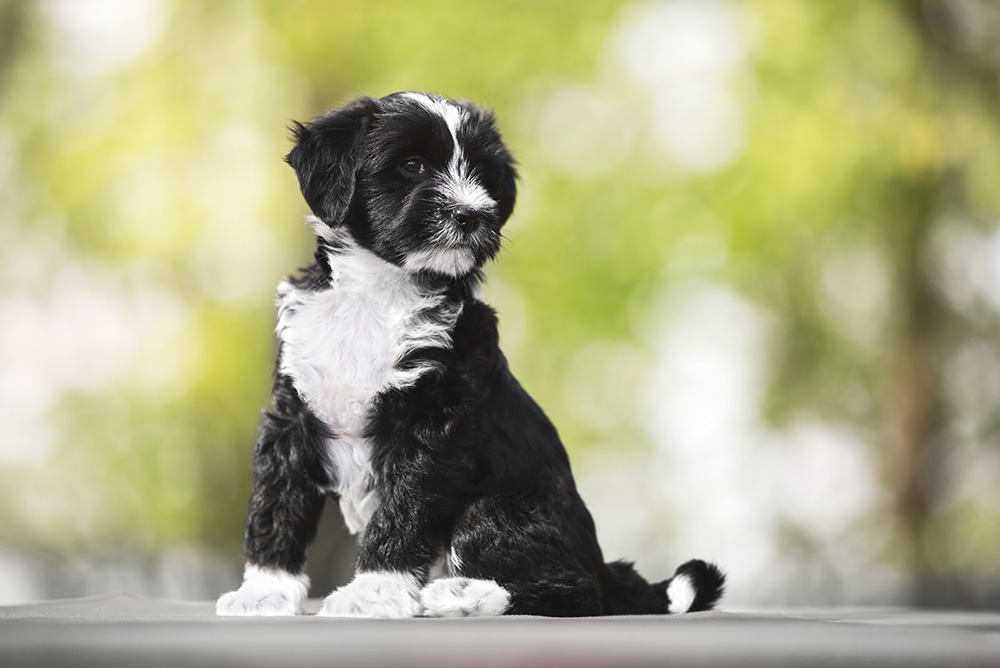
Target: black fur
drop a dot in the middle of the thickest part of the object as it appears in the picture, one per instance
(286, 503)
(462, 458)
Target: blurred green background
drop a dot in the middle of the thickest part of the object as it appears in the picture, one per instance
(753, 275)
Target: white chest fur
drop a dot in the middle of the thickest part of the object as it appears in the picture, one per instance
(341, 346)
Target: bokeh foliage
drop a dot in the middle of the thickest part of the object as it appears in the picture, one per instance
(870, 144)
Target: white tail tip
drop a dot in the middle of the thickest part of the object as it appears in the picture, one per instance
(681, 593)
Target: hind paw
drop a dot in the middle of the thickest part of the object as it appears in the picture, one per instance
(463, 597)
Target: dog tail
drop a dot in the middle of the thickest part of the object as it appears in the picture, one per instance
(695, 586)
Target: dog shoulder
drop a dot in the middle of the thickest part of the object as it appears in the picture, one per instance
(476, 334)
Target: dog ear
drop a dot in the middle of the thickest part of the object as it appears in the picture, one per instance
(507, 190)
(328, 155)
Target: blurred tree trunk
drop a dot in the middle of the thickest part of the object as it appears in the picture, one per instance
(954, 56)
(911, 398)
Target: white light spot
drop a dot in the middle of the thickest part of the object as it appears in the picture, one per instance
(80, 328)
(662, 43)
(583, 132)
(96, 37)
(689, 58)
(700, 125)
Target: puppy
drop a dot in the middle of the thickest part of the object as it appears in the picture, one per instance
(391, 395)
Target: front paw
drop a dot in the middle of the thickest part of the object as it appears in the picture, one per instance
(387, 595)
(242, 603)
(265, 593)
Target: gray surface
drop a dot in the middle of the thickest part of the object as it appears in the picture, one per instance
(130, 630)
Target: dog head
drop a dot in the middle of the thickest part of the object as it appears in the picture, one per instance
(423, 182)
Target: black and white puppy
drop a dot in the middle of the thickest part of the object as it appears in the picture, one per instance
(391, 395)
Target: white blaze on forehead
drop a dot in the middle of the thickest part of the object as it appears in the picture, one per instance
(453, 115)
(459, 186)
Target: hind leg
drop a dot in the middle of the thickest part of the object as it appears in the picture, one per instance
(508, 561)
(477, 597)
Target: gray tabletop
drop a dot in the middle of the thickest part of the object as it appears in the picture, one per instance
(130, 630)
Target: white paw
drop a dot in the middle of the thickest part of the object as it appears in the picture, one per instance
(242, 603)
(265, 593)
(375, 595)
(463, 597)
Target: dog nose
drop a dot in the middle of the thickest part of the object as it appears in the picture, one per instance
(467, 220)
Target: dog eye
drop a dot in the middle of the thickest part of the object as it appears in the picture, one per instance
(414, 166)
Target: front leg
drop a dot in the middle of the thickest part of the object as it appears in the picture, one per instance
(398, 545)
(383, 594)
(284, 511)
